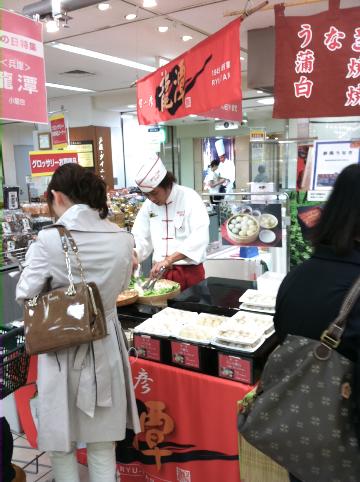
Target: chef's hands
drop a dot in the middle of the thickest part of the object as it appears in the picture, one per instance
(165, 263)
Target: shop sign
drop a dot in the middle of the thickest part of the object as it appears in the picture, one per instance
(45, 163)
(59, 131)
(85, 150)
(101, 153)
(330, 158)
(22, 72)
(204, 78)
(257, 135)
(317, 66)
(318, 196)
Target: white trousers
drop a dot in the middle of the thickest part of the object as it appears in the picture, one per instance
(100, 458)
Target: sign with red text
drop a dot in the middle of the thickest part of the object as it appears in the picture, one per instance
(317, 66)
(205, 78)
(45, 163)
(59, 131)
(22, 72)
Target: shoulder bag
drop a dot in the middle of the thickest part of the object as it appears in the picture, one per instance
(64, 317)
(301, 413)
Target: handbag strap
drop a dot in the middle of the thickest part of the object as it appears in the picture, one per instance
(331, 337)
(66, 239)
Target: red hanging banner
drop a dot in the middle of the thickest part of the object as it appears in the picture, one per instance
(206, 77)
(22, 71)
(317, 66)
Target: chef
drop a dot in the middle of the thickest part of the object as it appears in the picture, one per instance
(226, 167)
(173, 224)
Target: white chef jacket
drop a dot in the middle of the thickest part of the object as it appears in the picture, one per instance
(212, 176)
(226, 170)
(181, 225)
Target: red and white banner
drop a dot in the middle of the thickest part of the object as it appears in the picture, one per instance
(317, 67)
(22, 72)
(45, 163)
(59, 131)
(204, 78)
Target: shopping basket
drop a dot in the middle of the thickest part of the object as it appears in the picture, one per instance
(14, 362)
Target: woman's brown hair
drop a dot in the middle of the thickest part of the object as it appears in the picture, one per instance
(81, 186)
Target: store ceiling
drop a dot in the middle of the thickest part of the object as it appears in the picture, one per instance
(139, 40)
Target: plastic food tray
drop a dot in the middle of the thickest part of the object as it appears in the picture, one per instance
(220, 343)
(258, 298)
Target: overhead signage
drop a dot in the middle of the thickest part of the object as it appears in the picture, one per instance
(206, 77)
(59, 131)
(317, 65)
(330, 158)
(85, 150)
(257, 135)
(22, 72)
(45, 163)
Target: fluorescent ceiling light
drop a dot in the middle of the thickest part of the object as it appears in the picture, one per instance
(163, 61)
(242, 58)
(131, 16)
(99, 56)
(149, 3)
(266, 101)
(260, 91)
(52, 26)
(103, 6)
(131, 106)
(186, 38)
(67, 87)
(163, 29)
(192, 115)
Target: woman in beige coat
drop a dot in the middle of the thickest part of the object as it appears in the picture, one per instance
(85, 393)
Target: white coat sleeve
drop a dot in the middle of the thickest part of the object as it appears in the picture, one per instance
(36, 272)
(141, 233)
(194, 246)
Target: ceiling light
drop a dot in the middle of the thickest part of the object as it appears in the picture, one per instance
(131, 16)
(131, 106)
(52, 26)
(260, 91)
(163, 29)
(186, 38)
(192, 115)
(99, 56)
(163, 61)
(266, 101)
(67, 87)
(245, 121)
(242, 58)
(103, 6)
(149, 3)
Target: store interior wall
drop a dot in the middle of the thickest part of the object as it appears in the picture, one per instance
(14, 134)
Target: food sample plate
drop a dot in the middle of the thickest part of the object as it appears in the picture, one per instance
(127, 297)
(258, 298)
(268, 221)
(267, 236)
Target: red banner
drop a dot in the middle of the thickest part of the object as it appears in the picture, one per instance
(22, 73)
(59, 132)
(206, 77)
(45, 163)
(317, 67)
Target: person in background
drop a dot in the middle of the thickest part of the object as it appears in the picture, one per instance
(261, 176)
(226, 168)
(213, 181)
(8, 472)
(172, 224)
(310, 296)
(85, 393)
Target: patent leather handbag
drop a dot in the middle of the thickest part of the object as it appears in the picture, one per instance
(302, 413)
(64, 317)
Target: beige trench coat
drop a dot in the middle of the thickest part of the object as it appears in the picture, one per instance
(85, 394)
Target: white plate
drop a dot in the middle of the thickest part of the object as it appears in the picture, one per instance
(259, 309)
(267, 236)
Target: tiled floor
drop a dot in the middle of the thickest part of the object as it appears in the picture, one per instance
(23, 454)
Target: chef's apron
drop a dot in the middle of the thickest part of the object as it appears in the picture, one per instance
(186, 275)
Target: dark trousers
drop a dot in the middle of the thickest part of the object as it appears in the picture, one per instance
(6, 449)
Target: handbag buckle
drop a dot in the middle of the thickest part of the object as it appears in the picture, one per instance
(329, 341)
(33, 302)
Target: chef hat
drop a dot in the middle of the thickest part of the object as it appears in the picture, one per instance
(151, 173)
(220, 148)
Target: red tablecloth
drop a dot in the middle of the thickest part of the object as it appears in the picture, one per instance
(189, 426)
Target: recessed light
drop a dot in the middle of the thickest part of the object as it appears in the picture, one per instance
(52, 26)
(149, 3)
(163, 28)
(100, 56)
(260, 91)
(266, 101)
(103, 6)
(131, 106)
(245, 121)
(186, 38)
(131, 16)
(242, 58)
(68, 87)
(192, 115)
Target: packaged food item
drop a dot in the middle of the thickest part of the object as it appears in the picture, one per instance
(257, 298)
(212, 321)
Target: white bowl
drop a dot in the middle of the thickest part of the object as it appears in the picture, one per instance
(267, 236)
